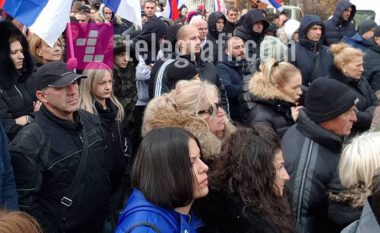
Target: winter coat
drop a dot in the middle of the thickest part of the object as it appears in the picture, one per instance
(223, 213)
(336, 27)
(230, 27)
(161, 113)
(46, 156)
(367, 99)
(213, 49)
(270, 105)
(312, 58)
(231, 75)
(245, 32)
(8, 193)
(357, 41)
(16, 86)
(311, 155)
(372, 65)
(140, 210)
(367, 222)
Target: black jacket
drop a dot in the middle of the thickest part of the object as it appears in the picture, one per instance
(312, 58)
(45, 156)
(336, 27)
(213, 49)
(311, 155)
(367, 99)
(372, 65)
(16, 86)
(223, 213)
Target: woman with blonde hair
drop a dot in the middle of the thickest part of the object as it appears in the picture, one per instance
(358, 163)
(96, 96)
(195, 106)
(18, 222)
(275, 94)
(348, 69)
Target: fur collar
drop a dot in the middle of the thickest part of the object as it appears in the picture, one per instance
(161, 112)
(263, 89)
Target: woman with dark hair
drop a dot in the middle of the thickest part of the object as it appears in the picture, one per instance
(247, 186)
(168, 174)
(16, 88)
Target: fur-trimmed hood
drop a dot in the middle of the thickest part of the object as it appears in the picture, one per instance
(161, 113)
(261, 88)
(354, 196)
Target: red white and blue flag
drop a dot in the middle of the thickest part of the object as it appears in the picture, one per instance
(127, 9)
(275, 3)
(171, 9)
(220, 6)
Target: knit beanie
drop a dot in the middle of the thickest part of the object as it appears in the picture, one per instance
(366, 26)
(119, 45)
(272, 47)
(328, 98)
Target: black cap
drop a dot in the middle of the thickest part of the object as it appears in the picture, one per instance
(55, 74)
(376, 32)
(365, 26)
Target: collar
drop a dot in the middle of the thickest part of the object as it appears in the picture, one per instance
(75, 126)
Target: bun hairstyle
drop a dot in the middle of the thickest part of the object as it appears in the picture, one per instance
(279, 73)
(343, 54)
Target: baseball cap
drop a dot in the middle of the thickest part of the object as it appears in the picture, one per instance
(55, 74)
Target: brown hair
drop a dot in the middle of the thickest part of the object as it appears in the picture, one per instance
(18, 222)
(343, 54)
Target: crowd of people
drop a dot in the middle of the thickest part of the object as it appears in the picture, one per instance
(243, 121)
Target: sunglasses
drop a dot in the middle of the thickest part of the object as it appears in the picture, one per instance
(212, 110)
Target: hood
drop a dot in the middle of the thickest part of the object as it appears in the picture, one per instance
(214, 16)
(8, 71)
(340, 7)
(307, 22)
(161, 112)
(156, 26)
(101, 12)
(252, 17)
(263, 89)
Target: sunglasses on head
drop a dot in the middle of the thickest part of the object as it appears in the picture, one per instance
(212, 110)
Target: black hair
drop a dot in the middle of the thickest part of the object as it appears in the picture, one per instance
(162, 170)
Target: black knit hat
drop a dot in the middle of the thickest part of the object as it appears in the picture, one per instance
(328, 98)
(366, 26)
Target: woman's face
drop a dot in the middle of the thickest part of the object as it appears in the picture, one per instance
(102, 90)
(213, 114)
(292, 88)
(354, 68)
(17, 54)
(48, 54)
(282, 175)
(199, 170)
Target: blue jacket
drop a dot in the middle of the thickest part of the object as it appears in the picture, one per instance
(357, 41)
(336, 27)
(139, 210)
(8, 194)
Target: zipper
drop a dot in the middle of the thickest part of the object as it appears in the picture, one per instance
(23, 99)
(305, 169)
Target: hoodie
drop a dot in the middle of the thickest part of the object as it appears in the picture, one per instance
(336, 27)
(212, 38)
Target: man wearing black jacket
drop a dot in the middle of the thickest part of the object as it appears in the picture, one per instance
(59, 159)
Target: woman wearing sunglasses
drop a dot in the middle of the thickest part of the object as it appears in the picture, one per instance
(193, 105)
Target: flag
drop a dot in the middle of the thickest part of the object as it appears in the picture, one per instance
(45, 18)
(220, 6)
(127, 9)
(275, 3)
(171, 9)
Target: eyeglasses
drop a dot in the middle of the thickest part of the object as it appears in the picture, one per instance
(212, 110)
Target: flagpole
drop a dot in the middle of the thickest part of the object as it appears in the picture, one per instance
(71, 42)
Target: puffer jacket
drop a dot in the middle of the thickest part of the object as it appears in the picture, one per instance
(270, 105)
(372, 65)
(138, 210)
(312, 58)
(367, 222)
(336, 27)
(161, 113)
(357, 41)
(311, 155)
(45, 157)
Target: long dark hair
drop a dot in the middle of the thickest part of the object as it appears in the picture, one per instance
(246, 168)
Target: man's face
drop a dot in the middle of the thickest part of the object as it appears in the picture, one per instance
(220, 25)
(346, 14)
(62, 102)
(81, 18)
(107, 14)
(377, 40)
(232, 16)
(201, 25)
(342, 124)
(258, 27)
(254, 3)
(368, 34)
(150, 9)
(191, 44)
(236, 48)
(314, 33)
